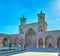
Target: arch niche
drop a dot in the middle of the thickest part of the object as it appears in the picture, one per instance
(21, 42)
(58, 42)
(16, 41)
(30, 38)
(40, 42)
(5, 41)
(49, 41)
(1, 41)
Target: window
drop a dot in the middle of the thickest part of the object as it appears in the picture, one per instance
(40, 29)
(21, 30)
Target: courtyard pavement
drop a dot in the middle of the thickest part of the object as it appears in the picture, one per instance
(35, 52)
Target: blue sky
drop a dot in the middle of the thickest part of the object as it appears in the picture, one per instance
(12, 10)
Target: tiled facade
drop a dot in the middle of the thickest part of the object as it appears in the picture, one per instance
(33, 35)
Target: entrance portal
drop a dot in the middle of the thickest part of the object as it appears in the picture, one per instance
(30, 38)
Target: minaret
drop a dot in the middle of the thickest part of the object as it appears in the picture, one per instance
(41, 17)
(23, 20)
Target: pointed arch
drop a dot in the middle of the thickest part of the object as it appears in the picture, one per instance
(40, 42)
(30, 31)
(16, 41)
(30, 38)
(40, 28)
(21, 42)
(0, 41)
(58, 42)
(5, 42)
(49, 41)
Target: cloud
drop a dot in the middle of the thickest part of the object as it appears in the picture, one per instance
(11, 29)
(56, 6)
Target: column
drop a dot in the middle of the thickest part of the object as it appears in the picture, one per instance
(55, 42)
(43, 42)
(37, 43)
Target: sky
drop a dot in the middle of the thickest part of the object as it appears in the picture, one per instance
(12, 10)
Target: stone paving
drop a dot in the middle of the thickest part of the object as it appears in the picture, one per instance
(35, 52)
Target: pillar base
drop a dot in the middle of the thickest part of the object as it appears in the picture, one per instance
(37, 46)
(43, 46)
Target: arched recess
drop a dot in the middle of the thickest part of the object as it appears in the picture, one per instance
(5, 42)
(58, 42)
(21, 42)
(16, 41)
(30, 38)
(40, 29)
(40, 42)
(49, 41)
(1, 41)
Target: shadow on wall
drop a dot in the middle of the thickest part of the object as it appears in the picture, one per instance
(59, 54)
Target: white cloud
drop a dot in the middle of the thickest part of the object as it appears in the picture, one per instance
(57, 5)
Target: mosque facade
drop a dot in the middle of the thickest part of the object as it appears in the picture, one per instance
(33, 35)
